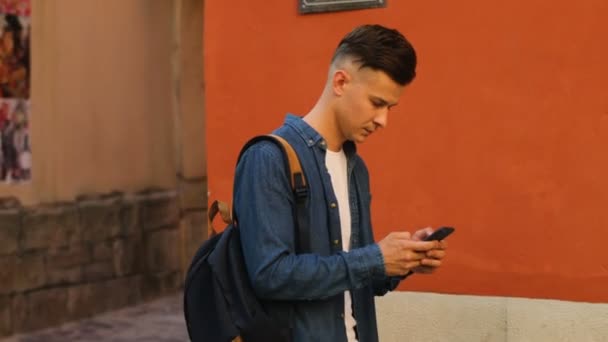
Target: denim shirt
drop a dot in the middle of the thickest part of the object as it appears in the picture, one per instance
(306, 291)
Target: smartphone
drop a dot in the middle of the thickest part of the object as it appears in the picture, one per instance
(440, 234)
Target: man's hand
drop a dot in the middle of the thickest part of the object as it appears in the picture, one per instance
(433, 257)
(402, 253)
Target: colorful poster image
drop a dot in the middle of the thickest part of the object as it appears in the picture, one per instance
(21, 8)
(14, 56)
(15, 148)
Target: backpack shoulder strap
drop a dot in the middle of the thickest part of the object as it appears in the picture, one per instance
(298, 182)
(217, 207)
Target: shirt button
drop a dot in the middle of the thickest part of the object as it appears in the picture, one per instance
(336, 242)
(310, 141)
(323, 143)
(341, 315)
(333, 205)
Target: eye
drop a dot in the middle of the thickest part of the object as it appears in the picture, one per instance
(378, 104)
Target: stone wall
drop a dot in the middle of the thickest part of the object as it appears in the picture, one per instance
(67, 261)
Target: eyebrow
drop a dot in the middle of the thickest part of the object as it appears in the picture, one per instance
(382, 101)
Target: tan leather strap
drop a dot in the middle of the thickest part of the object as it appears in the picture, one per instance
(224, 211)
(292, 157)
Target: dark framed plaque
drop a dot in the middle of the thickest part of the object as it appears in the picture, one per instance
(316, 6)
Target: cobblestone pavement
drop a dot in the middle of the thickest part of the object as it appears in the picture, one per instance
(156, 321)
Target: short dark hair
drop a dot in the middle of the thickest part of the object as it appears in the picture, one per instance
(380, 48)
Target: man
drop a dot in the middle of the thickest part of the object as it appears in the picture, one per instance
(328, 293)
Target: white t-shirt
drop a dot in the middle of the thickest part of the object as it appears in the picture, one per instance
(336, 165)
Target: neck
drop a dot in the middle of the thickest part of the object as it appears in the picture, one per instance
(323, 119)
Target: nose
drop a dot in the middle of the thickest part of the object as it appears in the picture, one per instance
(381, 119)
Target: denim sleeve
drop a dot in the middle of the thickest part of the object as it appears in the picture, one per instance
(264, 206)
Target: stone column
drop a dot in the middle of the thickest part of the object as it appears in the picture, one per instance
(189, 126)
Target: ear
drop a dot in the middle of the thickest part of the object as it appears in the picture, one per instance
(340, 80)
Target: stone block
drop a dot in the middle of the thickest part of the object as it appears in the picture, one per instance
(29, 272)
(193, 193)
(65, 266)
(6, 326)
(102, 251)
(98, 271)
(122, 292)
(127, 257)
(158, 284)
(162, 251)
(194, 231)
(10, 225)
(100, 217)
(68, 257)
(8, 266)
(50, 227)
(18, 312)
(44, 308)
(159, 210)
(22, 273)
(88, 299)
(130, 217)
(64, 276)
(85, 300)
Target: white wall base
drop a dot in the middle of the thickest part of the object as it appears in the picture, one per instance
(428, 317)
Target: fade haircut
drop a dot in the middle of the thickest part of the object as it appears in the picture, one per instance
(380, 48)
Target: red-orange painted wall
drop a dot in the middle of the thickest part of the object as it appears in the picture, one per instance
(503, 134)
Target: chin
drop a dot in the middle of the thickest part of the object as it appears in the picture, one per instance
(359, 139)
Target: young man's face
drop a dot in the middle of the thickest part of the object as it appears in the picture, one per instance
(365, 101)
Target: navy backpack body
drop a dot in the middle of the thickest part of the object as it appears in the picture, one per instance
(219, 302)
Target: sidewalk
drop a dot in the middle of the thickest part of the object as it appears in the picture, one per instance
(156, 321)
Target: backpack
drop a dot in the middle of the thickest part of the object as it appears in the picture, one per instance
(219, 302)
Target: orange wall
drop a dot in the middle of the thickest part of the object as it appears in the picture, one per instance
(501, 135)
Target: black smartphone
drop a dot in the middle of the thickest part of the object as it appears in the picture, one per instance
(440, 234)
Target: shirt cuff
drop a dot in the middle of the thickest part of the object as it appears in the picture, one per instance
(365, 264)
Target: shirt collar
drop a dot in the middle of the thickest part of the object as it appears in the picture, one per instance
(312, 137)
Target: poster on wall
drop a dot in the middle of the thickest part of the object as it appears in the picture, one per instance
(15, 148)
